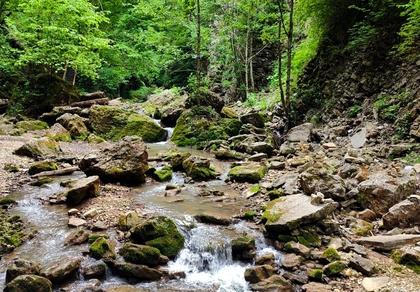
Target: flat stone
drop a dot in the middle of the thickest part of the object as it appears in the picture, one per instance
(362, 265)
(300, 133)
(375, 283)
(389, 242)
(290, 260)
(289, 212)
(90, 213)
(359, 139)
(76, 222)
(316, 287)
(336, 243)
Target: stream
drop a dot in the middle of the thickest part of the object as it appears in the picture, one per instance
(206, 258)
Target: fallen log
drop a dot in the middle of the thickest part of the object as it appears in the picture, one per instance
(63, 171)
(89, 103)
(93, 95)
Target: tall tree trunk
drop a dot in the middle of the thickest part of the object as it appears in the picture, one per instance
(198, 73)
(289, 58)
(280, 53)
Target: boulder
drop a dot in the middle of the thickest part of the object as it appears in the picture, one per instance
(332, 186)
(381, 191)
(32, 125)
(114, 123)
(253, 118)
(140, 254)
(58, 133)
(301, 133)
(125, 162)
(41, 166)
(140, 272)
(375, 283)
(58, 111)
(243, 248)
(81, 190)
(95, 270)
(198, 168)
(102, 249)
(274, 283)
(362, 265)
(388, 242)
(403, 214)
(128, 220)
(62, 270)
(250, 172)
(21, 267)
(158, 103)
(223, 153)
(409, 257)
(288, 182)
(212, 218)
(161, 233)
(29, 283)
(257, 274)
(291, 261)
(35, 147)
(75, 125)
(77, 237)
(289, 212)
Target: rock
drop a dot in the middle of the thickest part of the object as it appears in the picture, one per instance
(58, 111)
(198, 168)
(92, 138)
(362, 265)
(252, 191)
(267, 259)
(243, 248)
(95, 270)
(258, 157)
(251, 172)
(275, 283)
(403, 214)
(380, 192)
(297, 248)
(259, 147)
(375, 283)
(62, 270)
(76, 237)
(102, 249)
(287, 148)
(334, 268)
(296, 277)
(21, 267)
(141, 272)
(29, 283)
(159, 232)
(140, 254)
(58, 133)
(114, 123)
(32, 125)
(289, 212)
(164, 174)
(329, 146)
(81, 190)
(291, 260)
(91, 213)
(277, 165)
(223, 153)
(41, 166)
(300, 133)
(336, 243)
(43, 146)
(367, 215)
(332, 186)
(359, 139)
(253, 118)
(361, 228)
(76, 222)
(158, 103)
(257, 274)
(388, 242)
(74, 124)
(212, 218)
(316, 287)
(288, 182)
(409, 257)
(128, 220)
(124, 162)
(99, 226)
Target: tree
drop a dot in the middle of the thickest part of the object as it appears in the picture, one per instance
(56, 34)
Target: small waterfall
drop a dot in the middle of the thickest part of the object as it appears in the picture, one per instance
(167, 129)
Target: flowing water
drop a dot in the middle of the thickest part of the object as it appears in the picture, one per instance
(206, 258)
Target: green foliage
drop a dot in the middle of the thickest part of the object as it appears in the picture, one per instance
(410, 30)
(140, 94)
(355, 110)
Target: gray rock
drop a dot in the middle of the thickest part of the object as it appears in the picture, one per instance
(74, 124)
(359, 139)
(380, 192)
(258, 157)
(29, 283)
(275, 283)
(95, 270)
(259, 147)
(375, 283)
(389, 242)
(58, 111)
(403, 214)
(289, 212)
(62, 270)
(300, 133)
(81, 190)
(298, 249)
(362, 265)
(170, 116)
(43, 146)
(141, 272)
(58, 133)
(223, 153)
(125, 162)
(287, 148)
(316, 287)
(332, 186)
(76, 222)
(253, 118)
(76, 237)
(288, 182)
(251, 172)
(21, 267)
(291, 260)
(259, 273)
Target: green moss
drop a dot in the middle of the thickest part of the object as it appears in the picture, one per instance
(317, 274)
(272, 213)
(101, 248)
(27, 283)
(248, 173)
(7, 201)
(42, 181)
(93, 237)
(255, 188)
(32, 125)
(13, 218)
(309, 238)
(334, 268)
(41, 166)
(243, 243)
(275, 194)
(286, 238)
(364, 230)
(288, 247)
(140, 254)
(163, 175)
(92, 138)
(409, 260)
(330, 255)
(249, 215)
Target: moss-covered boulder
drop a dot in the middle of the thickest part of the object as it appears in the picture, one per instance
(51, 117)
(21, 267)
(243, 248)
(164, 101)
(161, 233)
(201, 124)
(62, 270)
(124, 162)
(58, 133)
(164, 174)
(75, 125)
(251, 172)
(102, 249)
(334, 268)
(198, 168)
(114, 123)
(32, 125)
(141, 272)
(35, 147)
(92, 138)
(41, 181)
(140, 254)
(41, 166)
(29, 283)
(408, 257)
(330, 255)
(81, 190)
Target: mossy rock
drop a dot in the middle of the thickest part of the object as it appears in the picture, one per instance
(287, 238)
(164, 174)
(140, 254)
(31, 283)
(32, 125)
(201, 124)
(43, 146)
(272, 214)
(92, 138)
(93, 237)
(115, 123)
(330, 255)
(409, 259)
(161, 233)
(309, 238)
(251, 173)
(316, 275)
(198, 168)
(58, 133)
(41, 181)
(229, 113)
(334, 268)
(243, 243)
(7, 201)
(249, 215)
(275, 194)
(46, 165)
(101, 249)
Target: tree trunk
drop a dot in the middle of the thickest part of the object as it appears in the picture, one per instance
(198, 88)
(289, 59)
(89, 103)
